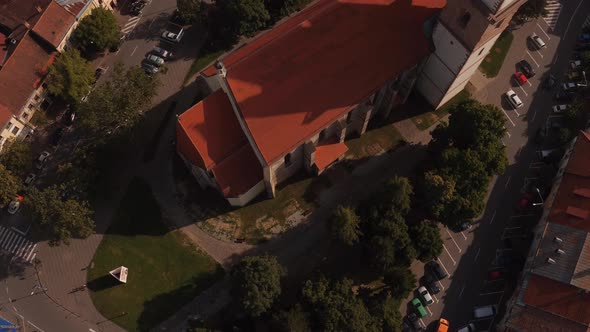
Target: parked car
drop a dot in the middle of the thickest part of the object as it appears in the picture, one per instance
(513, 99)
(137, 7)
(162, 53)
(465, 226)
(524, 203)
(559, 108)
(520, 78)
(415, 321)
(443, 325)
(537, 41)
(425, 296)
(467, 328)
(549, 82)
(14, 205)
(171, 36)
(150, 69)
(484, 311)
(568, 86)
(42, 159)
(431, 283)
(57, 135)
(437, 270)
(495, 274)
(154, 59)
(526, 68)
(418, 308)
(575, 64)
(30, 179)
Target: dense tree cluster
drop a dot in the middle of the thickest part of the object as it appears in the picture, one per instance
(190, 11)
(70, 76)
(531, 9)
(345, 225)
(9, 185)
(97, 32)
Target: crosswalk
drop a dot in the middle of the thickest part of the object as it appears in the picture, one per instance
(553, 8)
(130, 25)
(17, 244)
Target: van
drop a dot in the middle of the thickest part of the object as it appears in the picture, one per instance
(443, 325)
(485, 311)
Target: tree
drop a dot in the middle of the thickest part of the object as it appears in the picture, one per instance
(190, 11)
(291, 6)
(401, 281)
(256, 283)
(18, 158)
(426, 239)
(437, 192)
(293, 320)
(117, 104)
(63, 219)
(387, 309)
(70, 76)
(249, 15)
(531, 9)
(387, 241)
(345, 225)
(334, 306)
(97, 31)
(9, 185)
(394, 196)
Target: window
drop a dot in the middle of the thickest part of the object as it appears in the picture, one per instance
(37, 97)
(25, 115)
(349, 117)
(464, 19)
(288, 159)
(9, 125)
(480, 52)
(322, 135)
(15, 130)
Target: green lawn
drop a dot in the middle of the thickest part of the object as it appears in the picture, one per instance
(492, 63)
(427, 119)
(372, 141)
(200, 63)
(165, 270)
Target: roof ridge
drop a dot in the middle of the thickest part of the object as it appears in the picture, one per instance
(15, 49)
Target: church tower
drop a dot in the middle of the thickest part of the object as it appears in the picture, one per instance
(463, 35)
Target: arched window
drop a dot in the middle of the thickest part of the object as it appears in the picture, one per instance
(288, 159)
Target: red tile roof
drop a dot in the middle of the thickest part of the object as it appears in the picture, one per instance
(558, 298)
(300, 76)
(15, 12)
(239, 172)
(530, 319)
(327, 153)
(54, 24)
(576, 177)
(22, 73)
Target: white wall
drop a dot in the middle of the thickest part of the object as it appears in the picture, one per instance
(247, 196)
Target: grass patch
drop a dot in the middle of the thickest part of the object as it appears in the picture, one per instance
(492, 63)
(165, 270)
(200, 63)
(428, 119)
(373, 141)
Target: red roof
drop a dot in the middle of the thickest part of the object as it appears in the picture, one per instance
(21, 75)
(302, 75)
(569, 207)
(327, 153)
(14, 12)
(558, 298)
(54, 24)
(239, 172)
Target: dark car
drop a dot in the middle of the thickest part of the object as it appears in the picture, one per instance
(431, 283)
(412, 318)
(57, 135)
(549, 82)
(437, 270)
(149, 69)
(526, 68)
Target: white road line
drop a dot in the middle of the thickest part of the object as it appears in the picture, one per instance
(516, 111)
(522, 89)
(510, 228)
(29, 258)
(455, 242)
(527, 52)
(429, 311)
(135, 49)
(422, 322)
(539, 52)
(507, 182)
(464, 237)
(572, 18)
(491, 293)
(476, 254)
(493, 216)
(435, 298)
(441, 285)
(534, 115)
(555, 59)
(529, 82)
(35, 326)
(509, 119)
(461, 292)
(545, 33)
(448, 253)
(443, 266)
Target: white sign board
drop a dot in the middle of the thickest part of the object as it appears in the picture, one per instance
(120, 273)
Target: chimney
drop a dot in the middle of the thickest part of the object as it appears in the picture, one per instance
(551, 261)
(557, 240)
(220, 69)
(39, 9)
(560, 252)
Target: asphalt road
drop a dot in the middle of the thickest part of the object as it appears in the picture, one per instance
(469, 256)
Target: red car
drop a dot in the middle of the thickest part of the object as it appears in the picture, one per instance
(520, 78)
(524, 203)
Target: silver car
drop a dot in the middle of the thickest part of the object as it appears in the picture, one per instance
(162, 53)
(156, 60)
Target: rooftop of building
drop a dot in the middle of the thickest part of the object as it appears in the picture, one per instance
(54, 24)
(16, 12)
(297, 78)
(531, 319)
(73, 6)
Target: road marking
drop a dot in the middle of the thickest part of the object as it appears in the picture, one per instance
(572, 18)
(507, 182)
(534, 115)
(539, 52)
(510, 228)
(441, 285)
(516, 111)
(491, 293)
(435, 298)
(35, 326)
(545, 33)
(464, 237)
(135, 49)
(493, 216)
(429, 311)
(451, 257)
(461, 292)
(522, 89)
(421, 321)
(555, 59)
(477, 254)
(443, 266)
(529, 82)
(509, 119)
(527, 52)
(455, 242)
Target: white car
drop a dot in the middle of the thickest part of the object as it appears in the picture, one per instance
(171, 36)
(513, 99)
(42, 160)
(30, 179)
(13, 206)
(162, 53)
(425, 296)
(537, 41)
(154, 59)
(559, 108)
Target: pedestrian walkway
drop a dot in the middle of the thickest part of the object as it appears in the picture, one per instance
(6, 326)
(17, 244)
(130, 25)
(553, 8)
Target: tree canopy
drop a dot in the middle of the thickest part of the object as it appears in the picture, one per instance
(9, 185)
(345, 225)
(386, 309)
(63, 219)
(190, 11)
(426, 239)
(18, 158)
(333, 306)
(400, 280)
(394, 196)
(70, 76)
(117, 104)
(531, 9)
(256, 283)
(249, 15)
(97, 31)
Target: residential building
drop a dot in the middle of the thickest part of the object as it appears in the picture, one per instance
(287, 100)
(554, 289)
